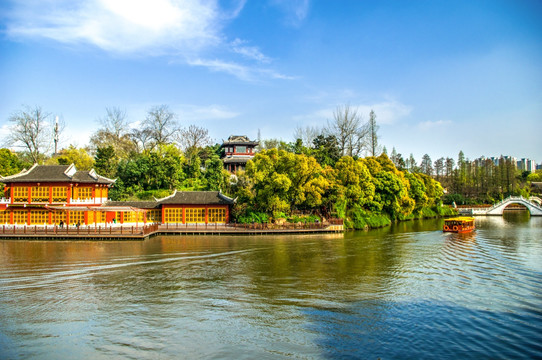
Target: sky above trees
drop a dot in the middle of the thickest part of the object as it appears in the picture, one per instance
(441, 76)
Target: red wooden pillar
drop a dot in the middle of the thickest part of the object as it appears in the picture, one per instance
(184, 215)
(50, 218)
(206, 214)
(227, 220)
(122, 217)
(11, 217)
(163, 214)
(68, 194)
(50, 194)
(85, 215)
(29, 194)
(28, 216)
(67, 217)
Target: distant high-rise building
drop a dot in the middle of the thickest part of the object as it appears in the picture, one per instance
(526, 165)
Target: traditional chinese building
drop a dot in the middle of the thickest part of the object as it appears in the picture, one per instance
(60, 194)
(238, 150)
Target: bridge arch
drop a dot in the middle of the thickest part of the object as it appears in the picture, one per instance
(498, 209)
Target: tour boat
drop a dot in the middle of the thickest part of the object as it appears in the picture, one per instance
(461, 224)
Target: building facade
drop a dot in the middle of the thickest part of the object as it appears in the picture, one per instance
(60, 194)
(237, 151)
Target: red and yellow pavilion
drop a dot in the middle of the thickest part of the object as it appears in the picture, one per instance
(55, 194)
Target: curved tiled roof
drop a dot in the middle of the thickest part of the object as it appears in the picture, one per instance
(243, 159)
(197, 198)
(56, 173)
(134, 204)
(239, 140)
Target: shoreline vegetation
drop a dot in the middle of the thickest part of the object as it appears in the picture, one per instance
(321, 175)
(365, 192)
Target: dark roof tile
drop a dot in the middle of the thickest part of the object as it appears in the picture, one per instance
(56, 173)
(135, 204)
(197, 198)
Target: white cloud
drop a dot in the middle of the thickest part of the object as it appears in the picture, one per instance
(76, 136)
(120, 26)
(178, 29)
(243, 72)
(387, 112)
(296, 10)
(430, 125)
(251, 52)
(5, 131)
(193, 113)
(238, 70)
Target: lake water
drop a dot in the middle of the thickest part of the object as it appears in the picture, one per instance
(409, 291)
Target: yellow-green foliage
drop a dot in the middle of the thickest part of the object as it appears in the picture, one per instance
(365, 192)
(281, 180)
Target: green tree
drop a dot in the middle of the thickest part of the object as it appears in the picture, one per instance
(417, 190)
(9, 163)
(326, 150)
(439, 167)
(72, 155)
(354, 181)
(373, 134)
(426, 166)
(215, 176)
(411, 164)
(282, 180)
(159, 169)
(105, 161)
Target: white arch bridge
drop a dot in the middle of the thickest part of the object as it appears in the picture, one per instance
(533, 205)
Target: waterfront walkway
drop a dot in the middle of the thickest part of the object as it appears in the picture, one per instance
(142, 232)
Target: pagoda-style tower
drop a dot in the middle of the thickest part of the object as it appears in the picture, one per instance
(238, 150)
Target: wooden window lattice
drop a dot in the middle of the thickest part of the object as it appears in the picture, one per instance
(195, 215)
(20, 194)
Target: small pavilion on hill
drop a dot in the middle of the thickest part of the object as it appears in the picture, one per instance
(238, 150)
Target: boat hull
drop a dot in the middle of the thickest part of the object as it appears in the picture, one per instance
(459, 225)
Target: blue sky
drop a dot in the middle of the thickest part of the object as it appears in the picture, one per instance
(442, 76)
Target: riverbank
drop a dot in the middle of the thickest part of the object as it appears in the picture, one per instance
(138, 233)
(361, 219)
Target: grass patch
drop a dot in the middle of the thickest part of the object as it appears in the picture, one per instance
(360, 219)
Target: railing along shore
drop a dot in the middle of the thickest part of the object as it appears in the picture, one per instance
(143, 230)
(78, 230)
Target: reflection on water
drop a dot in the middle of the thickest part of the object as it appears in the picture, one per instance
(407, 291)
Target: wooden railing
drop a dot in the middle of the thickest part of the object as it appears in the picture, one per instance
(142, 230)
(78, 230)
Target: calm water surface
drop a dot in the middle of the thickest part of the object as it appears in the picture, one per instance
(409, 291)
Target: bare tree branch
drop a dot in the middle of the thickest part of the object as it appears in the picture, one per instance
(30, 131)
(349, 130)
(307, 134)
(114, 122)
(194, 138)
(142, 139)
(162, 123)
(114, 132)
